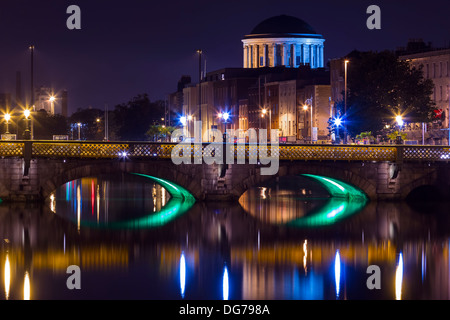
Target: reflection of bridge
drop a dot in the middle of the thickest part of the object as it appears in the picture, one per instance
(31, 170)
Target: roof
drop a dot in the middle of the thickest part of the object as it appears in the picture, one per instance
(283, 25)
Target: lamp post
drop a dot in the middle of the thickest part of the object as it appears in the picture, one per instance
(52, 104)
(27, 133)
(399, 120)
(337, 123)
(345, 101)
(199, 51)
(32, 76)
(7, 118)
(305, 107)
(79, 130)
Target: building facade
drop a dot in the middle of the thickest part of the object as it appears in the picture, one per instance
(435, 64)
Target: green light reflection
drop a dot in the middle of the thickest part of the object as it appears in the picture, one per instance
(345, 201)
(180, 202)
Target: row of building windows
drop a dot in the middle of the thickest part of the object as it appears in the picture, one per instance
(439, 94)
(436, 70)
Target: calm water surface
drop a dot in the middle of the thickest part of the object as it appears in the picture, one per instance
(133, 239)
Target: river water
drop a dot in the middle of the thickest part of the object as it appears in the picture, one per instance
(134, 238)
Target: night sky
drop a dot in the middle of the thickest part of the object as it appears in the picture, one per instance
(142, 46)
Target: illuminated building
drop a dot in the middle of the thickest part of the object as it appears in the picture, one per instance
(283, 41)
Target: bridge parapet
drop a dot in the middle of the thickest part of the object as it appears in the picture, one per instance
(161, 150)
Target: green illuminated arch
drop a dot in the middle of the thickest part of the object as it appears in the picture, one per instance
(337, 188)
(345, 201)
(180, 202)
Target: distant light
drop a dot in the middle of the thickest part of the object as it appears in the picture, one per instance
(264, 111)
(79, 124)
(123, 154)
(27, 113)
(399, 120)
(305, 107)
(7, 117)
(183, 120)
(98, 119)
(337, 121)
(220, 115)
(189, 117)
(226, 116)
(52, 98)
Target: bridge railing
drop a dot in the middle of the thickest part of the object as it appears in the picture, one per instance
(152, 150)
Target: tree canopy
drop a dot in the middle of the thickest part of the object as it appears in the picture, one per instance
(380, 86)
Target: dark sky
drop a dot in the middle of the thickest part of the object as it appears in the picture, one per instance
(143, 46)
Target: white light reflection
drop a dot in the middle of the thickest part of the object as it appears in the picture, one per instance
(78, 207)
(337, 271)
(7, 277)
(399, 278)
(225, 283)
(182, 274)
(26, 287)
(98, 204)
(424, 264)
(52, 203)
(263, 193)
(305, 254)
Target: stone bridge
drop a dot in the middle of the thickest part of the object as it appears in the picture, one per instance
(32, 170)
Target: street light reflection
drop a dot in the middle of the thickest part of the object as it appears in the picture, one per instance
(337, 272)
(26, 287)
(399, 278)
(182, 274)
(7, 277)
(225, 284)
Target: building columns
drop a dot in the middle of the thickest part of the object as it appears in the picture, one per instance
(293, 56)
(274, 64)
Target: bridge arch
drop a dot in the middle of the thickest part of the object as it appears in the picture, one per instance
(63, 173)
(341, 171)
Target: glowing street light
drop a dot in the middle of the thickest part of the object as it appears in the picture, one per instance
(305, 108)
(7, 118)
(226, 116)
(183, 120)
(79, 130)
(27, 133)
(399, 120)
(337, 123)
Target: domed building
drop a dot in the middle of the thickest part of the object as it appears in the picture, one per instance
(283, 41)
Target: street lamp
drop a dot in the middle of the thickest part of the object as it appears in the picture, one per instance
(337, 123)
(399, 120)
(305, 107)
(345, 99)
(7, 118)
(27, 133)
(52, 104)
(79, 130)
(199, 51)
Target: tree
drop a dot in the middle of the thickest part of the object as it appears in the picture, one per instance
(159, 133)
(46, 125)
(91, 129)
(380, 87)
(132, 119)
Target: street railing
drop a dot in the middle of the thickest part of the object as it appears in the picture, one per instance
(156, 150)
